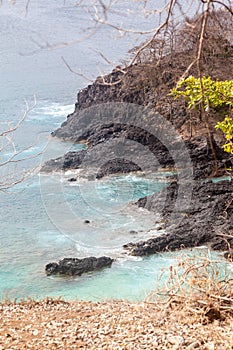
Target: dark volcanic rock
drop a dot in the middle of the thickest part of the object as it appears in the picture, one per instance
(117, 166)
(205, 221)
(127, 126)
(72, 179)
(69, 160)
(100, 114)
(120, 135)
(103, 154)
(75, 266)
(52, 268)
(122, 147)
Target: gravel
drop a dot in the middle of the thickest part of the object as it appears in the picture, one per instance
(57, 324)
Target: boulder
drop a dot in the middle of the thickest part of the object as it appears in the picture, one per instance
(76, 267)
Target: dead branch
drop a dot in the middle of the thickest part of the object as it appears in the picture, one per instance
(12, 172)
(156, 32)
(75, 72)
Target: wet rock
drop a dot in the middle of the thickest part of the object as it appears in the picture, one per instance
(52, 268)
(209, 215)
(133, 232)
(72, 179)
(117, 166)
(76, 267)
(71, 160)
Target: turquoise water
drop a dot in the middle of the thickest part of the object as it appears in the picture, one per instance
(39, 227)
(42, 218)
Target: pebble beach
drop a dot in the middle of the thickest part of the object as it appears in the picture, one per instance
(57, 324)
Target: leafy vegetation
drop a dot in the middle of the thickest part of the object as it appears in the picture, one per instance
(215, 97)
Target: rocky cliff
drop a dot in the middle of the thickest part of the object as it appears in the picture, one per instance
(128, 117)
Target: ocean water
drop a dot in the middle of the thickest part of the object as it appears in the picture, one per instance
(42, 218)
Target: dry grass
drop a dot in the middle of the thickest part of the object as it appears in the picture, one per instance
(193, 311)
(200, 282)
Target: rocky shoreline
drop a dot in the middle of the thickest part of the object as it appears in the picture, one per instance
(207, 221)
(124, 127)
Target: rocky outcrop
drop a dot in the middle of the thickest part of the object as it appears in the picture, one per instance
(69, 160)
(148, 83)
(130, 122)
(116, 166)
(110, 162)
(104, 125)
(207, 220)
(76, 267)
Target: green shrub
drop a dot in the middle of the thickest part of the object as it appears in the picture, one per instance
(212, 95)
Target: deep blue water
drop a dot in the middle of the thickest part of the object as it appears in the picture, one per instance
(42, 218)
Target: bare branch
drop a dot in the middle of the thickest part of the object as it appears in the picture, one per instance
(104, 57)
(12, 172)
(157, 31)
(123, 30)
(27, 7)
(74, 72)
(12, 129)
(228, 8)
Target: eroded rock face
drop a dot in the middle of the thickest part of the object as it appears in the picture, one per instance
(122, 147)
(76, 267)
(69, 160)
(115, 153)
(207, 219)
(100, 117)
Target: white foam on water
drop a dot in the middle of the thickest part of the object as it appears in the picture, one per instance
(73, 172)
(53, 111)
(56, 110)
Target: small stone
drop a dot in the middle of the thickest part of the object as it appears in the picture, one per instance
(193, 346)
(175, 340)
(209, 346)
(35, 332)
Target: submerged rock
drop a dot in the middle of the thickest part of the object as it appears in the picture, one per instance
(72, 179)
(76, 267)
